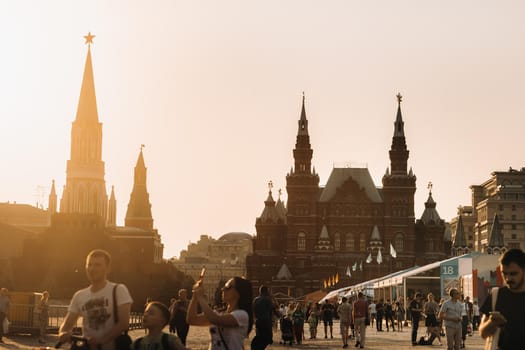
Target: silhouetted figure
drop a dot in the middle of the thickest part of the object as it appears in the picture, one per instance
(180, 309)
(262, 312)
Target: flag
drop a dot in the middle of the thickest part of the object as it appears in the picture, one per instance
(324, 283)
(354, 266)
(379, 257)
(369, 259)
(337, 278)
(348, 273)
(361, 265)
(393, 251)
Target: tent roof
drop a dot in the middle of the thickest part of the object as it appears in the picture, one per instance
(334, 293)
(370, 284)
(396, 279)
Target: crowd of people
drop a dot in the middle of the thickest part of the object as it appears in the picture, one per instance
(105, 308)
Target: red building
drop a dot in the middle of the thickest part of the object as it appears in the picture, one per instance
(324, 234)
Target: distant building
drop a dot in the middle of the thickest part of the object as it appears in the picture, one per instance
(324, 234)
(24, 216)
(223, 258)
(495, 221)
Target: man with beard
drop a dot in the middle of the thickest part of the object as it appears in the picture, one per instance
(509, 313)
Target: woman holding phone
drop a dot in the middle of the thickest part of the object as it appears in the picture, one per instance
(228, 329)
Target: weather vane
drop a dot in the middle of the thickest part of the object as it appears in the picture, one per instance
(280, 193)
(399, 97)
(89, 38)
(270, 185)
(142, 146)
(429, 186)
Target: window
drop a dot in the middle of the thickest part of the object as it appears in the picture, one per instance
(513, 226)
(514, 245)
(430, 245)
(350, 243)
(501, 207)
(399, 244)
(362, 243)
(301, 241)
(337, 241)
(513, 236)
(513, 207)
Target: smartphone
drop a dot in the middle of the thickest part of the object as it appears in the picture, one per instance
(203, 272)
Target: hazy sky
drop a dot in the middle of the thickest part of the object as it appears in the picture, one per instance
(213, 89)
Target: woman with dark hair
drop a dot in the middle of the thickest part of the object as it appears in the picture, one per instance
(227, 329)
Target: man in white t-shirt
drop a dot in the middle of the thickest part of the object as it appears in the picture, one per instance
(451, 313)
(95, 305)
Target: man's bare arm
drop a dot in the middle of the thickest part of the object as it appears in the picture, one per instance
(66, 327)
(119, 327)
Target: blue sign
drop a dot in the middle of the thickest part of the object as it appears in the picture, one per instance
(449, 275)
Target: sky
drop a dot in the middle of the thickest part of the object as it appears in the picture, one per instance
(213, 89)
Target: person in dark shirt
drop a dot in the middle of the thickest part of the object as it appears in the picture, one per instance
(509, 313)
(380, 311)
(262, 312)
(389, 315)
(415, 311)
(180, 309)
(327, 311)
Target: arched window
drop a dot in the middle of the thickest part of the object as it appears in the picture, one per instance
(337, 241)
(350, 242)
(399, 243)
(301, 241)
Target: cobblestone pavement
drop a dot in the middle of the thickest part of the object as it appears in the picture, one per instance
(198, 339)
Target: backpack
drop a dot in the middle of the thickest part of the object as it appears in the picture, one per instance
(164, 341)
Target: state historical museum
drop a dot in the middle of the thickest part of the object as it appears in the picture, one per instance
(345, 228)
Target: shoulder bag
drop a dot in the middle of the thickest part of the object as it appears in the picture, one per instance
(492, 341)
(123, 341)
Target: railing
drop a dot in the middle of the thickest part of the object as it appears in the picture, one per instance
(24, 318)
(135, 320)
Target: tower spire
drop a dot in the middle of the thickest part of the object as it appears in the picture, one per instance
(398, 151)
(459, 240)
(399, 130)
(303, 151)
(52, 206)
(85, 190)
(139, 207)
(112, 208)
(303, 122)
(87, 104)
(496, 240)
